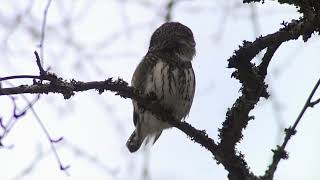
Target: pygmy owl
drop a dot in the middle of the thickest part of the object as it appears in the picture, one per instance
(166, 72)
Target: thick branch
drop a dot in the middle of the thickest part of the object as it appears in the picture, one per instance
(306, 7)
(252, 79)
(291, 31)
(253, 87)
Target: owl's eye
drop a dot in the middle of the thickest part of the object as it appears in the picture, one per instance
(188, 42)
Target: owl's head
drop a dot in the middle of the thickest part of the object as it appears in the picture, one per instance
(174, 38)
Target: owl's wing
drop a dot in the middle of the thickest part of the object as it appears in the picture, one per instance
(141, 74)
(194, 83)
(139, 78)
(191, 83)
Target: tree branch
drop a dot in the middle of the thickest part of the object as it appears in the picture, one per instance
(306, 7)
(280, 152)
(43, 31)
(253, 87)
(121, 88)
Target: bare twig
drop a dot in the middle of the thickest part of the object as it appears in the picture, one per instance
(22, 77)
(12, 121)
(280, 152)
(43, 74)
(43, 30)
(51, 140)
(38, 60)
(169, 10)
(15, 116)
(313, 103)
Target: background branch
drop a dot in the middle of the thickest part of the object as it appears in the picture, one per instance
(280, 153)
(43, 32)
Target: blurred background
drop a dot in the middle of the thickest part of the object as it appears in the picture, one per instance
(94, 40)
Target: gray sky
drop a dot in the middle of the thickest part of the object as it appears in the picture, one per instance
(95, 40)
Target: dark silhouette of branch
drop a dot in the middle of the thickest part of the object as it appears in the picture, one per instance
(20, 77)
(238, 116)
(253, 87)
(306, 7)
(38, 60)
(280, 153)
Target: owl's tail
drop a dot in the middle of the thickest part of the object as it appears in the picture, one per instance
(134, 142)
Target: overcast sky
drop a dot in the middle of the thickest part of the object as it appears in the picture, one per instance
(95, 40)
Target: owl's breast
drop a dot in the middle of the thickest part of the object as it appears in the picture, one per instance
(173, 86)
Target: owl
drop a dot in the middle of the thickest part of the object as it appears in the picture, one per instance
(166, 72)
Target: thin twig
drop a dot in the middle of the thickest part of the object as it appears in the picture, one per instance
(313, 103)
(280, 152)
(21, 77)
(169, 10)
(51, 141)
(307, 105)
(38, 60)
(43, 30)
(15, 116)
(43, 74)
